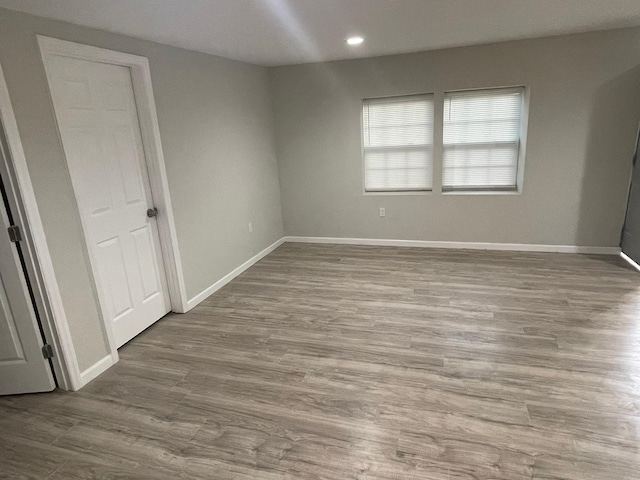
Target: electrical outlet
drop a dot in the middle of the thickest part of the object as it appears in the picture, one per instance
(250, 227)
(382, 212)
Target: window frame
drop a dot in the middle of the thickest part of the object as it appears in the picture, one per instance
(363, 148)
(524, 122)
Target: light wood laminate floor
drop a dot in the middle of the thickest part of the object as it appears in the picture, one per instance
(349, 362)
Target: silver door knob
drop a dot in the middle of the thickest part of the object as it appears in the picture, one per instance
(152, 212)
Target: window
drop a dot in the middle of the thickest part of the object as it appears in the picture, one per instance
(482, 133)
(398, 143)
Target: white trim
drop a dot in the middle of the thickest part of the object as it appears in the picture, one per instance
(233, 274)
(630, 261)
(53, 316)
(96, 369)
(516, 247)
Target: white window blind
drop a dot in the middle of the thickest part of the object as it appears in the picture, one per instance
(482, 139)
(398, 143)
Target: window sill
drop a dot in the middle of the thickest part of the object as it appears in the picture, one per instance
(398, 192)
(482, 192)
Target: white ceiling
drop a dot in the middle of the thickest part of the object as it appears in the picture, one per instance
(281, 32)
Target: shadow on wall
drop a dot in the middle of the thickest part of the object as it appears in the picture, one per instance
(607, 169)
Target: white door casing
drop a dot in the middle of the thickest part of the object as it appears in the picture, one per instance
(98, 122)
(23, 368)
(34, 245)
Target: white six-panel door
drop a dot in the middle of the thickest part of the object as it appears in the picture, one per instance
(98, 122)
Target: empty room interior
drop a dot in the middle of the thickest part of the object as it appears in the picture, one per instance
(320, 239)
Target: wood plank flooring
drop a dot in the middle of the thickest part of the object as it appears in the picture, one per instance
(350, 362)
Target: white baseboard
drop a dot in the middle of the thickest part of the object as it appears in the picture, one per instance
(233, 274)
(630, 261)
(516, 247)
(96, 369)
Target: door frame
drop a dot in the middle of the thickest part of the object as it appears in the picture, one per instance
(634, 165)
(36, 250)
(54, 318)
(11, 212)
(154, 159)
(154, 156)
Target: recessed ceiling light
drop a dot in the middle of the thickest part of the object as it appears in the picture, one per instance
(355, 40)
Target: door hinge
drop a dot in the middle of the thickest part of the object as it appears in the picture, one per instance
(47, 351)
(14, 233)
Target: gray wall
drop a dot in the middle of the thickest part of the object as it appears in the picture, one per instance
(584, 112)
(216, 126)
